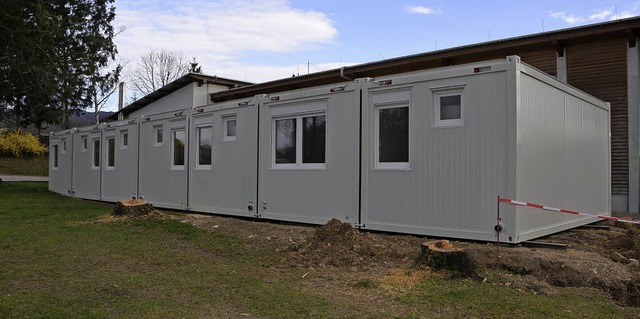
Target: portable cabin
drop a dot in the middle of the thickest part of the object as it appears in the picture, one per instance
(425, 152)
(119, 172)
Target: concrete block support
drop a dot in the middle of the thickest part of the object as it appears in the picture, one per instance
(633, 103)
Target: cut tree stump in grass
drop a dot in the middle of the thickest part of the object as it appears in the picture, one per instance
(442, 255)
(133, 207)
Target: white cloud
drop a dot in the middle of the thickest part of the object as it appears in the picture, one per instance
(219, 32)
(568, 18)
(600, 15)
(422, 10)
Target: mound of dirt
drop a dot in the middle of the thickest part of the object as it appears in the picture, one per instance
(627, 243)
(338, 244)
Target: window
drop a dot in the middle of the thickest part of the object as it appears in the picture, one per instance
(204, 135)
(286, 141)
(449, 111)
(85, 143)
(229, 128)
(111, 149)
(178, 144)
(300, 141)
(158, 135)
(64, 145)
(392, 137)
(55, 156)
(96, 154)
(124, 137)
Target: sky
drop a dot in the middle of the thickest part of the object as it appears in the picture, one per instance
(262, 40)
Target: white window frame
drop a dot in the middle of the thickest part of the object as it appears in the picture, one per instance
(157, 128)
(225, 124)
(93, 150)
(108, 152)
(443, 92)
(84, 143)
(299, 123)
(124, 145)
(55, 159)
(184, 153)
(376, 149)
(197, 156)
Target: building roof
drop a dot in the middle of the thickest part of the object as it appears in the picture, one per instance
(176, 85)
(623, 28)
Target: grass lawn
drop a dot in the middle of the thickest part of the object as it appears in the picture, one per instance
(58, 261)
(34, 166)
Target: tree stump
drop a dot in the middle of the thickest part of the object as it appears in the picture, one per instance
(442, 255)
(133, 207)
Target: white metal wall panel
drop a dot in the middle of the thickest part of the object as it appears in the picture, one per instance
(86, 176)
(121, 181)
(176, 101)
(313, 195)
(562, 157)
(160, 184)
(60, 177)
(229, 184)
(455, 173)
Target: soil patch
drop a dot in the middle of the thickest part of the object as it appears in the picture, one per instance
(389, 259)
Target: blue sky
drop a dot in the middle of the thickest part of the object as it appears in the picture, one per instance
(261, 40)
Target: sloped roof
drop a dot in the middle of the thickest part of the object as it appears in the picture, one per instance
(176, 85)
(628, 28)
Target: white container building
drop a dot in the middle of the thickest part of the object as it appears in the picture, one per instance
(426, 152)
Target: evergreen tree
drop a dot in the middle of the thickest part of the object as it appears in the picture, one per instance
(52, 57)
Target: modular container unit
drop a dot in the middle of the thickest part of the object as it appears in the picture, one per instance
(425, 152)
(61, 162)
(163, 159)
(120, 170)
(309, 154)
(87, 162)
(472, 133)
(223, 158)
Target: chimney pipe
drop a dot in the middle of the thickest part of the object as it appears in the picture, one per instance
(121, 101)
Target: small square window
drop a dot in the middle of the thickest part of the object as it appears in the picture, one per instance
(158, 135)
(111, 152)
(448, 107)
(229, 128)
(124, 135)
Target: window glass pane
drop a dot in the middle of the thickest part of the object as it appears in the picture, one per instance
(158, 134)
(450, 107)
(286, 141)
(84, 143)
(231, 128)
(313, 139)
(55, 156)
(178, 148)
(204, 145)
(394, 135)
(111, 148)
(96, 153)
(125, 139)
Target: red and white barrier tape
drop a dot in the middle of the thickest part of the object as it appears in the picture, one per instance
(566, 211)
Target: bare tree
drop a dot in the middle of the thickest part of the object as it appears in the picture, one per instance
(155, 69)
